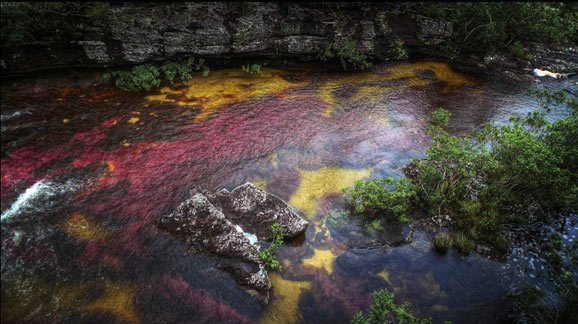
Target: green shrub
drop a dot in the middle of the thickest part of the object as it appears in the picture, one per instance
(389, 196)
(476, 181)
(182, 69)
(267, 255)
(141, 77)
(518, 50)
(490, 26)
(348, 56)
(252, 69)
(147, 76)
(384, 310)
(399, 52)
(376, 225)
(442, 242)
(463, 243)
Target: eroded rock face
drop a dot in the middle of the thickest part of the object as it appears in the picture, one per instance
(224, 222)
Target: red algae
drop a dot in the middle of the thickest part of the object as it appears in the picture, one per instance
(22, 162)
(182, 290)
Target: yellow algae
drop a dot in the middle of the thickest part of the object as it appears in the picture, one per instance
(84, 228)
(439, 308)
(133, 120)
(29, 295)
(110, 166)
(253, 292)
(442, 71)
(318, 229)
(385, 275)
(65, 120)
(322, 259)
(383, 120)
(225, 87)
(318, 183)
(118, 300)
(261, 184)
(368, 88)
(285, 306)
(274, 160)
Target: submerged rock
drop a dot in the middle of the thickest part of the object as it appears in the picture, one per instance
(222, 223)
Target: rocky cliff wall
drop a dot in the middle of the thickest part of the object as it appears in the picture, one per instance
(156, 32)
(220, 31)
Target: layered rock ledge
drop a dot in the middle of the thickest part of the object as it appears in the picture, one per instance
(230, 223)
(222, 34)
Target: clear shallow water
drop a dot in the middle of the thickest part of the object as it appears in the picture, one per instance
(86, 170)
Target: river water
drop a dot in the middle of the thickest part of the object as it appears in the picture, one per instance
(87, 169)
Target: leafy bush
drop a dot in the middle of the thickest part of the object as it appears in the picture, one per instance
(147, 76)
(463, 243)
(348, 56)
(476, 182)
(518, 50)
(183, 69)
(442, 242)
(388, 195)
(267, 255)
(141, 77)
(384, 310)
(399, 52)
(252, 69)
(490, 26)
(376, 225)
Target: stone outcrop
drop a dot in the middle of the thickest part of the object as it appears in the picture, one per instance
(256, 210)
(223, 223)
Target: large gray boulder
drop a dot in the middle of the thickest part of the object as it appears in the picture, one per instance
(229, 223)
(255, 211)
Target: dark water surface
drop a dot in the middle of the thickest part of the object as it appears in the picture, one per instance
(87, 169)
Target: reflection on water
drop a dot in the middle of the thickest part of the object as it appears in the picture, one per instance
(86, 170)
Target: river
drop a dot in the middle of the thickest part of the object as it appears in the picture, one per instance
(87, 169)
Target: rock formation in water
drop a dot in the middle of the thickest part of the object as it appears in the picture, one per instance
(228, 224)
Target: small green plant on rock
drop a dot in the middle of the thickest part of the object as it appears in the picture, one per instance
(384, 310)
(399, 52)
(348, 56)
(148, 76)
(141, 77)
(252, 69)
(376, 225)
(183, 69)
(518, 50)
(442, 242)
(267, 255)
(463, 243)
(387, 195)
